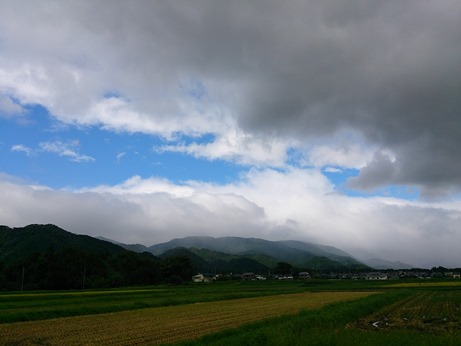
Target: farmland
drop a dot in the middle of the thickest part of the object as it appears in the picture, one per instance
(30, 306)
(431, 311)
(251, 313)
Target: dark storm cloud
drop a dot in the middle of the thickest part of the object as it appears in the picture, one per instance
(389, 71)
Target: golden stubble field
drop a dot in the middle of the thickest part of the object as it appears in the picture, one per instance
(165, 324)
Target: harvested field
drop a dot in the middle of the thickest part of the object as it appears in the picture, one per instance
(426, 311)
(166, 324)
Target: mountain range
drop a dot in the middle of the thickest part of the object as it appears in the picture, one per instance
(298, 253)
(207, 254)
(224, 253)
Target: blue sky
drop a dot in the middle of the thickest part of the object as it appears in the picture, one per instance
(329, 122)
(43, 151)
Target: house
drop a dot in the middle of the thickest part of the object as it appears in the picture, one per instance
(248, 276)
(304, 275)
(203, 278)
(198, 278)
(286, 277)
(376, 276)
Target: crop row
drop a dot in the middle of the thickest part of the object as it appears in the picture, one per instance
(165, 324)
(28, 306)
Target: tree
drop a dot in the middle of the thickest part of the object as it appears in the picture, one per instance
(179, 266)
(283, 268)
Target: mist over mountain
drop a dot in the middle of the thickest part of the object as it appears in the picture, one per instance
(379, 263)
(295, 252)
(305, 254)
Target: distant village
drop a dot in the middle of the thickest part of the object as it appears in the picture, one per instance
(391, 274)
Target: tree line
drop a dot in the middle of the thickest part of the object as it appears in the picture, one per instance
(69, 268)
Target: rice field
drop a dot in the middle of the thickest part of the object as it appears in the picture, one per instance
(29, 306)
(169, 324)
(426, 311)
(397, 317)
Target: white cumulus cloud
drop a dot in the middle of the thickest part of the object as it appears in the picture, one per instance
(270, 204)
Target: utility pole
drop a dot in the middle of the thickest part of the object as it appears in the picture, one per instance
(83, 283)
(22, 279)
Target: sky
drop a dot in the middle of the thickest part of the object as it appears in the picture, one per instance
(333, 122)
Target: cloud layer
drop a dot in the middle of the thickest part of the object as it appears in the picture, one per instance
(249, 73)
(298, 204)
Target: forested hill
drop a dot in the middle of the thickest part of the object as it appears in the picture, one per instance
(48, 257)
(16, 244)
